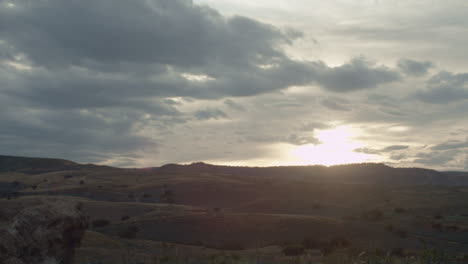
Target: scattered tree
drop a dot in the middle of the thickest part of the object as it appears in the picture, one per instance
(129, 233)
(294, 250)
(100, 223)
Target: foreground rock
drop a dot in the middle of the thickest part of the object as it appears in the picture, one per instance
(43, 234)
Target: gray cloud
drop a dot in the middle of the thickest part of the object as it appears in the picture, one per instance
(293, 139)
(99, 80)
(232, 104)
(395, 147)
(358, 74)
(383, 150)
(80, 135)
(445, 87)
(452, 144)
(171, 32)
(414, 68)
(210, 113)
(335, 104)
(438, 158)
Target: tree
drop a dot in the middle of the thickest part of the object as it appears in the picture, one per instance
(168, 196)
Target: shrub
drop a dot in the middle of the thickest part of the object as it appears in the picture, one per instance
(100, 223)
(452, 228)
(231, 245)
(310, 243)
(373, 215)
(438, 216)
(389, 227)
(124, 217)
(334, 244)
(82, 182)
(339, 242)
(129, 233)
(437, 226)
(293, 250)
(400, 210)
(168, 196)
(399, 252)
(401, 233)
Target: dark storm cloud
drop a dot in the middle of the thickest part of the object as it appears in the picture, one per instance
(58, 33)
(445, 87)
(81, 135)
(414, 68)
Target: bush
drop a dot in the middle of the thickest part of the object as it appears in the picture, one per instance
(400, 210)
(232, 245)
(100, 223)
(373, 215)
(334, 244)
(124, 217)
(438, 216)
(129, 232)
(401, 233)
(310, 244)
(316, 206)
(399, 252)
(293, 250)
(437, 226)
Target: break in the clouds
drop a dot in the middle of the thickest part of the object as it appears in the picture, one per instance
(135, 82)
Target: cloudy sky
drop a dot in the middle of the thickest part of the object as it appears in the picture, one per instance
(266, 82)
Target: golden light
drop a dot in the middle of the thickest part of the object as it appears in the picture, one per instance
(337, 147)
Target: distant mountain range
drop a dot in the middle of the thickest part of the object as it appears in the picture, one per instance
(362, 173)
(40, 165)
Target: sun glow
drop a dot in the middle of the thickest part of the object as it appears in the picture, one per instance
(336, 146)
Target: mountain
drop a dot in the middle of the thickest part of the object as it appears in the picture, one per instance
(363, 173)
(40, 165)
(360, 173)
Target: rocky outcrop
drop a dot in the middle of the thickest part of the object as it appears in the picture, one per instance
(44, 234)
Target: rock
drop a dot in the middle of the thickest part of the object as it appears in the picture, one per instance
(42, 234)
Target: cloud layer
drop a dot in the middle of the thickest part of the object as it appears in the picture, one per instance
(123, 82)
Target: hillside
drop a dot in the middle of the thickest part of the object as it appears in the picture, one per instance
(39, 165)
(374, 173)
(199, 206)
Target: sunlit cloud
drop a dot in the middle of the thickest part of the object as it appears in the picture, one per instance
(337, 147)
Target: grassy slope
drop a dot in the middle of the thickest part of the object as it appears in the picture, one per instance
(253, 210)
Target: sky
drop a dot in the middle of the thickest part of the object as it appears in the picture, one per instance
(258, 83)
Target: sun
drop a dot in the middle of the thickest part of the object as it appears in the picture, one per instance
(336, 146)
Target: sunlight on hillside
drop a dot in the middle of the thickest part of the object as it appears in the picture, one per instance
(336, 147)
